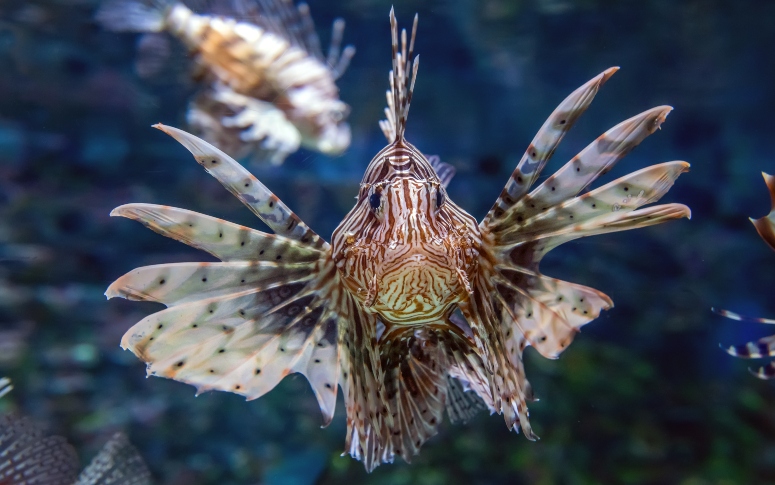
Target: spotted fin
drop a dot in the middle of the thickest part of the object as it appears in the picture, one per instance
(270, 309)
(545, 142)
(765, 226)
(118, 463)
(29, 456)
(247, 188)
(522, 227)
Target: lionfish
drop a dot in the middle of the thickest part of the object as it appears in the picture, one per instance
(29, 456)
(413, 308)
(764, 347)
(268, 87)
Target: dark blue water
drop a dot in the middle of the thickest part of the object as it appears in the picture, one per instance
(643, 396)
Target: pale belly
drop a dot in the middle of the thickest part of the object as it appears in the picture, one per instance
(417, 288)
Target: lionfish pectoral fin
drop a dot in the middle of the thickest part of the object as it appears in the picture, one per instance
(764, 372)
(545, 142)
(241, 325)
(764, 347)
(765, 226)
(30, 456)
(508, 388)
(543, 312)
(247, 188)
(362, 385)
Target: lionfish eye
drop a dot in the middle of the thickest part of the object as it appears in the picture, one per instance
(374, 200)
(439, 198)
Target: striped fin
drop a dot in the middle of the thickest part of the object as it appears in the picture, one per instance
(596, 159)
(362, 376)
(444, 171)
(545, 142)
(416, 386)
(118, 463)
(247, 188)
(462, 405)
(224, 240)
(764, 372)
(509, 391)
(742, 318)
(5, 386)
(399, 97)
(764, 347)
(765, 226)
(28, 456)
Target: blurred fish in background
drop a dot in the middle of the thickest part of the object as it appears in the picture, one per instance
(267, 88)
(5, 386)
(30, 457)
(764, 347)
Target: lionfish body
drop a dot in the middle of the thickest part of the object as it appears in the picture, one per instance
(414, 308)
(764, 347)
(268, 85)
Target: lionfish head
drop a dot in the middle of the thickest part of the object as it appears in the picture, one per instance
(404, 250)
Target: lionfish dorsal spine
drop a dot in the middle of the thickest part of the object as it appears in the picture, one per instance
(399, 97)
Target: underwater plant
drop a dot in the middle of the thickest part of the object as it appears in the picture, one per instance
(267, 87)
(414, 307)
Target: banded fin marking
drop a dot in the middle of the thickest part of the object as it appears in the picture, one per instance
(545, 142)
(765, 226)
(247, 188)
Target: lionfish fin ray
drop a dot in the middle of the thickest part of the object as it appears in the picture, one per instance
(444, 171)
(543, 145)
(765, 226)
(247, 188)
(224, 240)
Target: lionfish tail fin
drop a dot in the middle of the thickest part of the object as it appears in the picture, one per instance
(765, 226)
(243, 324)
(134, 15)
(402, 79)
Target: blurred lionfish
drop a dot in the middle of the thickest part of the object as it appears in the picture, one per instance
(269, 89)
(375, 312)
(764, 347)
(30, 457)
